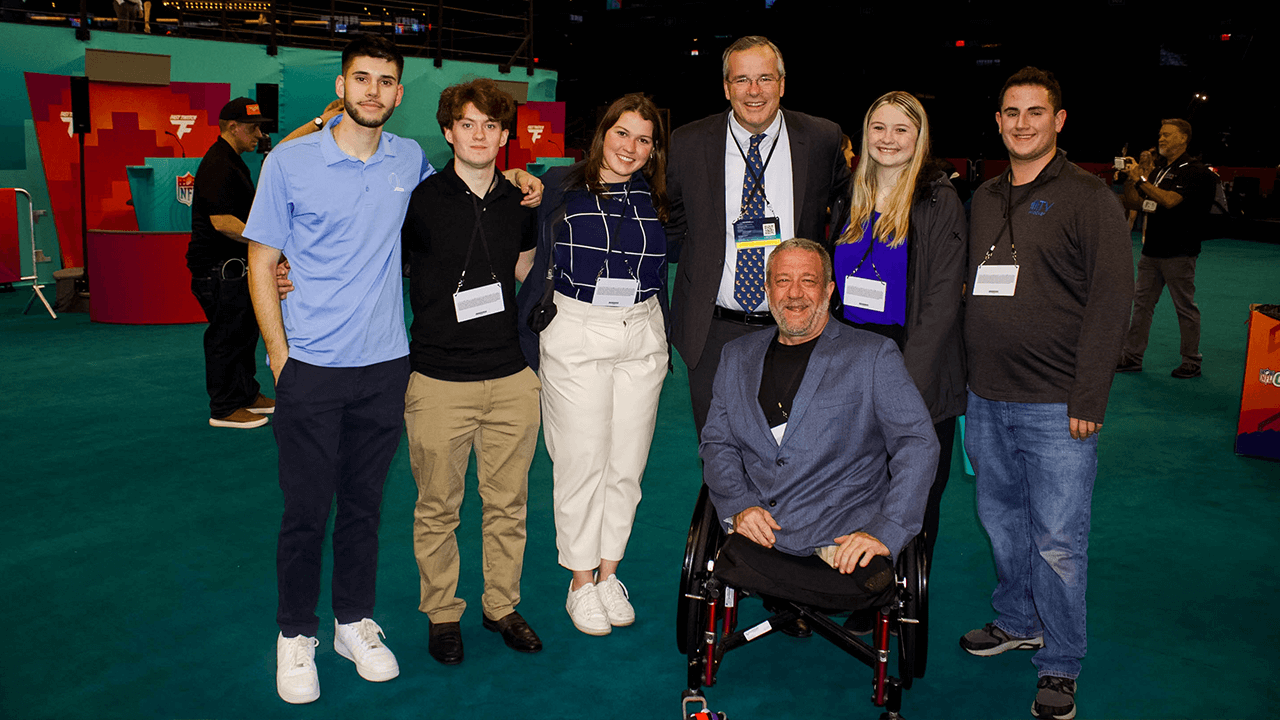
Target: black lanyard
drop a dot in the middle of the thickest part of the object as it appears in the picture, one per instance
(1008, 222)
(871, 243)
(478, 230)
(757, 182)
(608, 234)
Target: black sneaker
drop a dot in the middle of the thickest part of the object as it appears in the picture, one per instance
(1186, 370)
(1055, 699)
(991, 640)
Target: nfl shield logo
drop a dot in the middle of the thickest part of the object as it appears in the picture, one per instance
(186, 188)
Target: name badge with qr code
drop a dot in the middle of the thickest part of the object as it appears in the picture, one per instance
(615, 292)
(756, 233)
(478, 302)
(865, 293)
(1148, 206)
(995, 281)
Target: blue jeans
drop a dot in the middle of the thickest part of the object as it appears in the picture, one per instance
(1034, 490)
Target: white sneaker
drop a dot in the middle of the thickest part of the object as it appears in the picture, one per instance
(585, 610)
(296, 678)
(614, 597)
(359, 643)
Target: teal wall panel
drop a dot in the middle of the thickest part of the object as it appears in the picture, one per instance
(306, 78)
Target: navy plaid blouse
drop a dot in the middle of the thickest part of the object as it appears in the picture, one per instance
(624, 222)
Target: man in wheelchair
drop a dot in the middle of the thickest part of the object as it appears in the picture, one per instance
(818, 456)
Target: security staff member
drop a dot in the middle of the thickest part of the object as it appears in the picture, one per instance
(217, 259)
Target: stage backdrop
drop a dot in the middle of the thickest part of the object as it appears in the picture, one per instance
(129, 124)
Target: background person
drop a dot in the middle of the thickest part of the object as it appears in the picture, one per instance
(603, 358)
(900, 250)
(1175, 200)
(217, 257)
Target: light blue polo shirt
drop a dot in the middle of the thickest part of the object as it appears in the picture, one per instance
(338, 221)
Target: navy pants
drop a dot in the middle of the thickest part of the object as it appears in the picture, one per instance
(337, 430)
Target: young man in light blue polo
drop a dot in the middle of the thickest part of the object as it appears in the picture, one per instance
(333, 202)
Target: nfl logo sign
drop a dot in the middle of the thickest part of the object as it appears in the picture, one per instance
(186, 188)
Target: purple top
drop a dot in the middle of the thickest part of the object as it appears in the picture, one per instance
(883, 263)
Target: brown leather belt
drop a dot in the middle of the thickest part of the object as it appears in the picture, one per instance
(762, 319)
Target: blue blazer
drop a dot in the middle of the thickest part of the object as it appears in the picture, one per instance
(859, 452)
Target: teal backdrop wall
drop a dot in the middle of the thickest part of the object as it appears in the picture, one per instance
(306, 78)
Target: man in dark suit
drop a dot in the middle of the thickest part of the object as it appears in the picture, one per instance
(817, 440)
(735, 193)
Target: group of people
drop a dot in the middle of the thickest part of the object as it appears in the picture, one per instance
(821, 440)
(818, 437)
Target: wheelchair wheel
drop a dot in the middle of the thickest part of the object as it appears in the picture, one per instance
(705, 537)
(913, 638)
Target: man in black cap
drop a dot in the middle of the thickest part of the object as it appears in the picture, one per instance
(217, 258)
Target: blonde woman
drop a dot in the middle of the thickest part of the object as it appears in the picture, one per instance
(900, 259)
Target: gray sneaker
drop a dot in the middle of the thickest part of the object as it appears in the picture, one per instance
(1055, 699)
(991, 640)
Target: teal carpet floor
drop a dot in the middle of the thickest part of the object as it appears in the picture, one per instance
(138, 543)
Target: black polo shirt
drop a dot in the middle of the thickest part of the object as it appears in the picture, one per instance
(223, 187)
(438, 228)
(1177, 231)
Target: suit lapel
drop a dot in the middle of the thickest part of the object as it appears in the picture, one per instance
(799, 164)
(819, 361)
(754, 359)
(715, 166)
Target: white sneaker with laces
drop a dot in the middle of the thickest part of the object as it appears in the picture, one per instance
(586, 611)
(296, 677)
(614, 597)
(359, 643)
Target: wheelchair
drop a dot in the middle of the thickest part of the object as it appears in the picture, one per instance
(706, 618)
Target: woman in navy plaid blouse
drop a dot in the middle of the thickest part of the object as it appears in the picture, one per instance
(603, 358)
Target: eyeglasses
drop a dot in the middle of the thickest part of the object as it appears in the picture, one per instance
(764, 81)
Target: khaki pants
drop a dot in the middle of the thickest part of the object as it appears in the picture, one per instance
(444, 421)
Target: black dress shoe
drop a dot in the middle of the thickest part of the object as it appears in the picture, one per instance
(445, 643)
(516, 633)
(797, 628)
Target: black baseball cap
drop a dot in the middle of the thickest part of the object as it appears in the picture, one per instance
(243, 110)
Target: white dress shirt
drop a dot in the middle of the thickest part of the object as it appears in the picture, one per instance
(779, 198)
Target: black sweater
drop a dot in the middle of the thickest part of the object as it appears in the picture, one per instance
(1058, 339)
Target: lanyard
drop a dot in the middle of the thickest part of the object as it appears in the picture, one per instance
(1166, 172)
(608, 234)
(1008, 223)
(478, 230)
(757, 182)
(869, 236)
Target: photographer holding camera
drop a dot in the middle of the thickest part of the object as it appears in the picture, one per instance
(1175, 196)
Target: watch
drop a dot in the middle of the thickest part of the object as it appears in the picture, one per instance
(319, 122)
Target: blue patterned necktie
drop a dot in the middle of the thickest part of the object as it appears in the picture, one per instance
(748, 280)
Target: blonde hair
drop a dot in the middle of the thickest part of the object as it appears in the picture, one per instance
(895, 221)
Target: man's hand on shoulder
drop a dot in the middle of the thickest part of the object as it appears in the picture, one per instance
(1083, 429)
(757, 525)
(856, 550)
(528, 184)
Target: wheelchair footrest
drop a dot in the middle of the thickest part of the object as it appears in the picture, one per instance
(698, 713)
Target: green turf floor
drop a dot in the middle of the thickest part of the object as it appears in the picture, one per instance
(138, 557)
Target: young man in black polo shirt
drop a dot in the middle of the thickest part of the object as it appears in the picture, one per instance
(217, 259)
(467, 241)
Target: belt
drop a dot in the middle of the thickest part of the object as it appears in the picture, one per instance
(762, 319)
